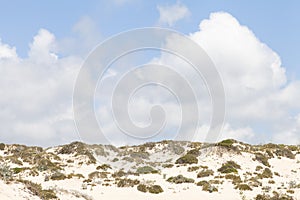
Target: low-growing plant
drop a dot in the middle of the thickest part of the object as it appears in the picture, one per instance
(229, 167)
(155, 189)
(205, 173)
(142, 188)
(180, 179)
(146, 170)
(243, 187)
(104, 167)
(187, 159)
(37, 190)
(193, 168)
(126, 182)
(262, 159)
(58, 176)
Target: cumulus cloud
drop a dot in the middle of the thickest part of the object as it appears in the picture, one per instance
(261, 105)
(36, 94)
(170, 14)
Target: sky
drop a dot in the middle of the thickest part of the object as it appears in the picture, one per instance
(254, 43)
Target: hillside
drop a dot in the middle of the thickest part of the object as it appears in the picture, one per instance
(160, 170)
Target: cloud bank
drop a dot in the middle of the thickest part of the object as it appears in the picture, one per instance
(261, 103)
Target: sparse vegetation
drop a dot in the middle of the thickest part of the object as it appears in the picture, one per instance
(103, 167)
(180, 179)
(262, 159)
(126, 182)
(36, 189)
(205, 173)
(146, 170)
(229, 167)
(187, 159)
(243, 187)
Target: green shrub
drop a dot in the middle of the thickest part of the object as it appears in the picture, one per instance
(17, 170)
(258, 168)
(58, 176)
(180, 179)
(194, 168)
(167, 165)
(142, 188)
(283, 152)
(194, 152)
(205, 173)
(235, 178)
(229, 167)
(104, 167)
(243, 187)
(126, 182)
(187, 159)
(206, 186)
(97, 174)
(267, 173)
(226, 143)
(155, 189)
(2, 146)
(36, 189)
(146, 170)
(262, 159)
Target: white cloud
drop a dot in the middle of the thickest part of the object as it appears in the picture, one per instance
(261, 105)
(36, 94)
(170, 14)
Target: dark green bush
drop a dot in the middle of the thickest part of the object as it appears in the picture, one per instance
(187, 159)
(104, 167)
(2, 146)
(155, 189)
(243, 187)
(180, 179)
(146, 170)
(205, 173)
(229, 167)
(262, 159)
(58, 176)
(142, 188)
(126, 182)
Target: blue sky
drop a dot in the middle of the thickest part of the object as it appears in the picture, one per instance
(276, 23)
(254, 44)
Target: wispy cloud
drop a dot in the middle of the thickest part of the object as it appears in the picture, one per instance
(170, 14)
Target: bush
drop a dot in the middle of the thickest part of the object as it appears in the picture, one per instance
(36, 189)
(243, 187)
(104, 167)
(229, 167)
(127, 182)
(58, 176)
(187, 159)
(146, 170)
(97, 174)
(283, 152)
(205, 173)
(262, 159)
(226, 143)
(155, 189)
(207, 186)
(267, 173)
(167, 165)
(194, 168)
(180, 179)
(142, 188)
(2, 146)
(235, 179)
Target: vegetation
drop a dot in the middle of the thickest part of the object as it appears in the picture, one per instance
(187, 159)
(58, 176)
(229, 167)
(104, 167)
(155, 189)
(205, 173)
(2, 146)
(180, 179)
(146, 170)
(243, 187)
(206, 186)
(36, 189)
(126, 182)
(142, 188)
(262, 159)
